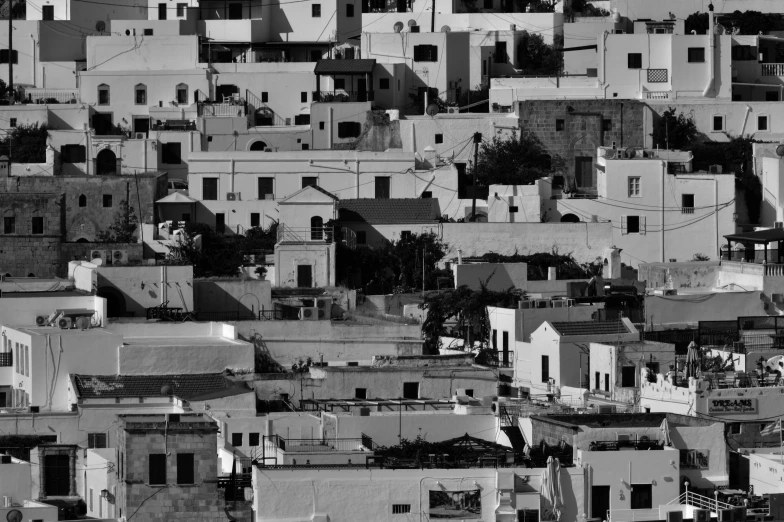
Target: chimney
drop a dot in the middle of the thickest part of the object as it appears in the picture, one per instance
(551, 274)
(459, 257)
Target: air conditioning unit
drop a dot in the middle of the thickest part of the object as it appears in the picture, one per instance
(119, 257)
(140, 136)
(701, 515)
(453, 110)
(715, 169)
(40, 320)
(231, 196)
(675, 516)
(324, 306)
(65, 323)
(309, 313)
(778, 224)
(99, 254)
(7, 501)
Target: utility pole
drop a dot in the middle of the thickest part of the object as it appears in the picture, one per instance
(433, 17)
(477, 140)
(11, 52)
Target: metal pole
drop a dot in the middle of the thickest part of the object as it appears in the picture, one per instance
(433, 18)
(10, 53)
(477, 139)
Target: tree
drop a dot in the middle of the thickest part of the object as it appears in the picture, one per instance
(566, 265)
(674, 132)
(515, 161)
(27, 143)
(123, 229)
(697, 22)
(18, 10)
(538, 58)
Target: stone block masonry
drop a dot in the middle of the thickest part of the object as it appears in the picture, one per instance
(30, 234)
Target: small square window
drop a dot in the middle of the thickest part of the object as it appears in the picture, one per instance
(559, 124)
(734, 428)
(405, 234)
(305, 146)
(634, 187)
(428, 194)
(253, 439)
(362, 237)
(360, 393)
(512, 209)
(762, 123)
(148, 32)
(606, 125)
(383, 83)
(634, 60)
(107, 201)
(340, 84)
(13, 122)
(633, 224)
(315, 10)
(236, 439)
(38, 225)
(401, 509)
(303, 97)
(718, 124)
(264, 97)
(255, 219)
(349, 10)
(696, 54)
(439, 138)
(181, 9)
(321, 125)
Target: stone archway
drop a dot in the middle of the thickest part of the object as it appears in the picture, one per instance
(106, 163)
(115, 301)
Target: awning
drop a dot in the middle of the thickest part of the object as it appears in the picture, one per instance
(176, 197)
(759, 237)
(345, 66)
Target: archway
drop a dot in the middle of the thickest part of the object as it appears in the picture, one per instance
(569, 218)
(258, 146)
(481, 217)
(316, 228)
(82, 240)
(106, 163)
(115, 302)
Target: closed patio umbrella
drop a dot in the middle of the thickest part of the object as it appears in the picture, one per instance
(693, 360)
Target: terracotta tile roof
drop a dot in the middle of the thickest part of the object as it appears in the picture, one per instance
(184, 386)
(389, 211)
(344, 66)
(591, 328)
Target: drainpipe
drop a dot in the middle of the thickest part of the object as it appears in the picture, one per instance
(329, 127)
(711, 45)
(232, 175)
(664, 173)
(34, 66)
(357, 170)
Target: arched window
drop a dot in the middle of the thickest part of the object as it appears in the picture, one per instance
(316, 228)
(82, 200)
(103, 94)
(140, 94)
(182, 93)
(569, 218)
(31, 274)
(258, 145)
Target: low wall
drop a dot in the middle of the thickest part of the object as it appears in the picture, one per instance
(684, 275)
(244, 296)
(585, 241)
(81, 252)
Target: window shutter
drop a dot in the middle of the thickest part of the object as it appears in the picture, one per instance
(64, 156)
(417, 53)
(433, 53)
(15, 56)
(642, 225)
(82, 154)
(623, 225)
(342, 129)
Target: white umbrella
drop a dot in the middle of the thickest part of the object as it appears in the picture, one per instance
(551, 490)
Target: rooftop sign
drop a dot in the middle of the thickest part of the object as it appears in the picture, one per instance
(732, 405)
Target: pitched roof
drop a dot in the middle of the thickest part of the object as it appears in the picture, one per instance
(176, 197)
(304, 189)
(389, 211)
(344, 66)
(184, 386)
(591, 328)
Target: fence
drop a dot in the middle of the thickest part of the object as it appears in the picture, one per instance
(6, 359)
(222, 110)
(318, 445)
(58, 95)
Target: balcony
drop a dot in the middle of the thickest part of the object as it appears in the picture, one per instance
(363, 443)
(249, 30)
(753, 267)
(617, 445)
(52, 96)
(6, 359)
(343, 96)
(656, 95)
(772, 69)
(174, 125)
(305, 234)
(231, 109)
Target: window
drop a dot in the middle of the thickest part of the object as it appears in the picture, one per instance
(696, 54)
(718, 124)
(141, 94)
(545, 368)
(405, 234)
(500, 53)
(606, 382)
(73, 154)
(315, 10)
(439, 138)
(694, 459)
(103, 95)
(107, 201)
(350, 10)
(349, 129)
(303, 97)
(264, 97)
(360, 393)
(185, 469)
(733, 427)
(410, 390)
(82, 200)
(340, 84)
(382, 187)
(427, 194)
(309, 181)
(687, 203)
(505, 341)
(4, 56)
(302, 119)
(606, 125)
(236, 439)
(401, 509)
(38, 225)
(362, 237)
(305, 146)
(13, 122)
(148, 32)
(762, 123)
(642, 496)
(425, 53)
(744, 52)
(266, 190)
(495, 339)
(628, 374)
(559, 125)
(171, 153)
(157, 469)
(634, 60)
(383, 84)
(47, 12)
(631, 225)
(96, 440)
(771, 96)
(209, 189)
(182, 93)
(161, 11)
(634, 186)
(181, 9)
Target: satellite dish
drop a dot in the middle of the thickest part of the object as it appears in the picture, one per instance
(446, 29)
(166, 390)
(432, 109)
(630, 153)
(100, 26)
(780, 149)
(412, 23)
(14, 516)
(97, 261)
(398, 27)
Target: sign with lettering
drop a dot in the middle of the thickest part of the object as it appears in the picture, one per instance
(734, 405)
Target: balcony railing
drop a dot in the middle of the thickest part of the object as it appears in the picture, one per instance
(363, 443)
(343, 96)
(502, 359)
(687, 210)
(753, 267)
(175, 125)
(773, 69)
(6, 359)
(305, 234)
(616, 445)
(657, 95)
(222, 110)
(52, 95)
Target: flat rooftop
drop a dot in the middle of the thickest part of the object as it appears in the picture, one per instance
(211, 340)
(55, 330)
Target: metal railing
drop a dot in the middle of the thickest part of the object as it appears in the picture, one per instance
(687, 210)
(363, 443)
(773, 69)
(175, 125)
(501, 359)
(632, 515)
(616, 445)
(222, 110)
(47, 95)
(693, 499)
(7, 359)
(305, 234)
(343, 96)
(657, 95)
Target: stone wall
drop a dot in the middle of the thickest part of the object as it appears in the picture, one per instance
(24, 253)
(583, 126)
(552, 432)
(86, 222)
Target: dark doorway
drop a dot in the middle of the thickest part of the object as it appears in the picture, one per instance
(161, 11)
(226, 91)
(628, 376)
(410, 390)
(115, 302)
(642, 496)
(235, 11)
(141, 125)
(2, 399)
(316, 228)
(569, 218)
(220, 223)
(583, 172)
(47, 12)
(600, 502)
(57, 475)
(258, 146)
(106, 163)
(362, 90)
(304, 276)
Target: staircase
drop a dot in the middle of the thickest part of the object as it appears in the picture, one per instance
(511, 429)
(699, 501)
